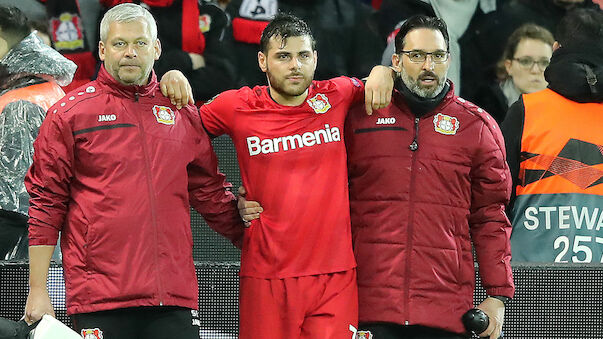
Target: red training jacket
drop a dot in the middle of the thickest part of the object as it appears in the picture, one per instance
(115, 168)
(421, 190)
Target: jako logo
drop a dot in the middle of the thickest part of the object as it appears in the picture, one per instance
(386, 121)
(107, 117)
(291, 142)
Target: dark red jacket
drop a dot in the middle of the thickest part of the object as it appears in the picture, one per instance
(416, 212)
(114, 170)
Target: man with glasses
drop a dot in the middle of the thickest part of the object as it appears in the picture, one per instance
(427, 178)
(554, 145)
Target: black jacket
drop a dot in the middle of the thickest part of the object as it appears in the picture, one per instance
(346, 38)
(218, 74)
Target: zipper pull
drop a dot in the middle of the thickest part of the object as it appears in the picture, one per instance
(136, 96)
(415, 143)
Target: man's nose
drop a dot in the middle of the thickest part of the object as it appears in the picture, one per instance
(295, 63)
(428, 63)
(131, 51)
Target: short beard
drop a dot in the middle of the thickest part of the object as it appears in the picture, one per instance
(413, 85)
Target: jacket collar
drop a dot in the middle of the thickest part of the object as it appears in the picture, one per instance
(131, 91)
(399, 98)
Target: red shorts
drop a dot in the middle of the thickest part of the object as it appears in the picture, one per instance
(310, 307)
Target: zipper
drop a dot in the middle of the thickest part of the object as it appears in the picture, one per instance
(152, 200)
(414, 146)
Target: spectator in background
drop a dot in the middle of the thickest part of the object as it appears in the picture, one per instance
(30, 75)
(345, 34)
(521, 70)
(36, 16)
(73, 31)
(428, 179)
(554, 146)
(488, 39)
(193, 33)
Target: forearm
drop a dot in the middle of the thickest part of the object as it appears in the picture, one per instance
(39, 262)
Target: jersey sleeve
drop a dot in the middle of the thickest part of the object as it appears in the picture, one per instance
(354, 86)
(217, 114)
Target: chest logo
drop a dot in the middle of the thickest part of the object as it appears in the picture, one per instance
(164, 115)
(107, 117)
(319, 103)
(386, 121)
(445, 124)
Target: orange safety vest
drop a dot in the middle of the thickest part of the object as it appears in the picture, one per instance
(558, 212)
(559, 137)
(43, 95)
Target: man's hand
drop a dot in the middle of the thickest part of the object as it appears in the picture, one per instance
(495, 310)
(176, 87)
(248, 210)
(38, 304)
(378, 88)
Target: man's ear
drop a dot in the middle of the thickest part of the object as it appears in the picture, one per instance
(157, 47)
(262, 61)
(101, 50)
(397, 62)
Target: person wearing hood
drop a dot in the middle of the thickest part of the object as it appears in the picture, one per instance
(554, 146)
(30, 75)
(427, 179)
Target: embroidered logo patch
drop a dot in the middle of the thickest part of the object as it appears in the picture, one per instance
(204, 23)
(319, 103)
(92, 333)
(364, 335)
(445, 124)
(164, 115)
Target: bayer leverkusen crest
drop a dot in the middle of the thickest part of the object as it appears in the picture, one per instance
(164, 115)
(445, 124)
(364, 335)
(92, 333)
(319, 103)
(66, 32)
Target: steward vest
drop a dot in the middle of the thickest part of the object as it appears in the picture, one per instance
(43, 95)
(558, 212)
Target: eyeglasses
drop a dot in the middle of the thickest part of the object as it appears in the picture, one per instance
(438, 57)
(528, 63)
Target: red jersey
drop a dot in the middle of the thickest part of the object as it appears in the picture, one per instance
(293, 162)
